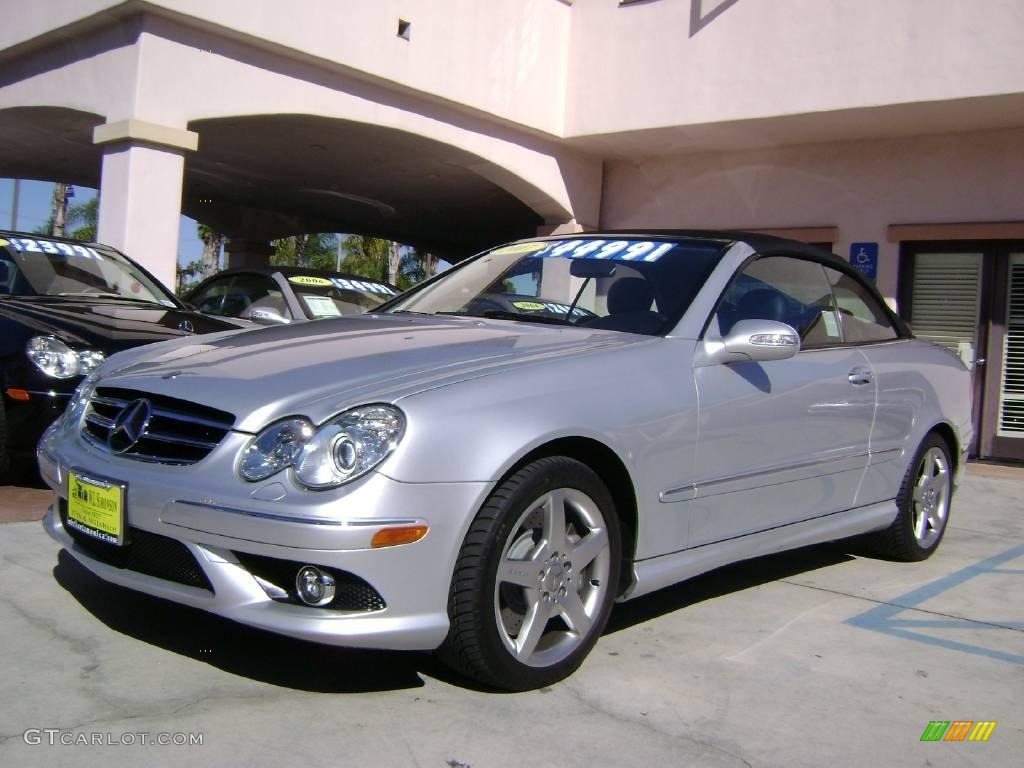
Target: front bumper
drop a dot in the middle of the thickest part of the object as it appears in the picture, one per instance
(222, 521)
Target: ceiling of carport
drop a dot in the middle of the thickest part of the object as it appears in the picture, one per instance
(49, 143)
(268, 176)
(272, 175)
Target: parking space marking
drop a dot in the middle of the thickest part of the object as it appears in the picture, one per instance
(883, 617)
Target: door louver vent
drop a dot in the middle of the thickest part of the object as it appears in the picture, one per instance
(1011, 390)
(944, 303)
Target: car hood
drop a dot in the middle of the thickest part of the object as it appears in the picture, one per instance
(318, 369)
(109, 325)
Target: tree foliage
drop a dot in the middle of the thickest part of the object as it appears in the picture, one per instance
(370, 257)
(80, 224)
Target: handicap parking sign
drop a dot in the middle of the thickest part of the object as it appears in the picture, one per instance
(864, 258)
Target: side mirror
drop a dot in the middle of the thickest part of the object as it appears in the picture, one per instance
(268, 317)
(750, 341)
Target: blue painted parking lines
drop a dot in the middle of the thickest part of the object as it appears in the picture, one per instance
(884, 618)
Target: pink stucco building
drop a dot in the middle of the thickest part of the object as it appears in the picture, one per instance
(893, 127)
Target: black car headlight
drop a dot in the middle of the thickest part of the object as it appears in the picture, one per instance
(55, 358)
(342, 449)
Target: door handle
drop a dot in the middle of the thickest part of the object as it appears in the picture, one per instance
(860, 376)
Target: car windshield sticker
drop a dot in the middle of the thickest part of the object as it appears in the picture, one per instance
(28, 245)
(363, 285)
(510, 250)
(548, 306)
(2, 242)
(322, 306)
(309, 280)
(617, 250)
(831, 326)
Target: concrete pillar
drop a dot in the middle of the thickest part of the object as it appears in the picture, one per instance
(242, 252)
(140, 192)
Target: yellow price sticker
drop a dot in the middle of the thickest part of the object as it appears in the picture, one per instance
(309, 280)
(529, 306)
(519, 248)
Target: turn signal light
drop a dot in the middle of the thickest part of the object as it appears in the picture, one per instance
(17, 394)
(392, 537)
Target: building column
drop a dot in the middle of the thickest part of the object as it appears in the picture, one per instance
(243, 252)
(140, 192)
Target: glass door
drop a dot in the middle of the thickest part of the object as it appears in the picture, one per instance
(968, 296)
(1008, 440)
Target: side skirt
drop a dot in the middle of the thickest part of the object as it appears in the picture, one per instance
(663, 571)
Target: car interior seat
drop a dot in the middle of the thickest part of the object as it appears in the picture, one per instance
(629, 308)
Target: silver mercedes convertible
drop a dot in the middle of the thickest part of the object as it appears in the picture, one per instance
(491, 460)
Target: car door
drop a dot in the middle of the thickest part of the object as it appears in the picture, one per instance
(901, 383)
(786, 440)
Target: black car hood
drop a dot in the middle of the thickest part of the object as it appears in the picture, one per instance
(108, 325)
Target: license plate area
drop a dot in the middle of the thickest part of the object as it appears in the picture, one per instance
(96, 507)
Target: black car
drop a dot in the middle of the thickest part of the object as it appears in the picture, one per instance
(271, 295)
(64, 307)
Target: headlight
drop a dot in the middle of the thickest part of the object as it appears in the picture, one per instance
(274, 449)
(342, 449)
(349, 445)
(55, 358)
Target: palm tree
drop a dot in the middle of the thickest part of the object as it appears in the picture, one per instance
(209, 262)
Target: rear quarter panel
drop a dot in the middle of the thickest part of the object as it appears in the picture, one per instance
(919, 385)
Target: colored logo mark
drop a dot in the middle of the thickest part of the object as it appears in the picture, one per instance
(958, 730)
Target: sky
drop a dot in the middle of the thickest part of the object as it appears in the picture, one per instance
(34, 211)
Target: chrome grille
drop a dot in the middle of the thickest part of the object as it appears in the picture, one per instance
(178, 432)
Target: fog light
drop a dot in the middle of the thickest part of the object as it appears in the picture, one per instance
(313, 586)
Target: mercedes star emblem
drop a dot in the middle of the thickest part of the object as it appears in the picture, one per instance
(130, 425)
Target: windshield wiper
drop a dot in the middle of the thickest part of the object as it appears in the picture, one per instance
(501, 314)
(106, 295)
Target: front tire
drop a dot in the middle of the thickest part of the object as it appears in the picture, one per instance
(536, 577)
(924, 503)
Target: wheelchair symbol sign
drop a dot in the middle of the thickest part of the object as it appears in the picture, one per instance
(864, 258)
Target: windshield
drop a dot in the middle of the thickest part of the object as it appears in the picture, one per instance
(41, 267)
(636, 286)
(334, 296)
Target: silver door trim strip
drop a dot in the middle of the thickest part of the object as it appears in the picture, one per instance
(690, 491)
(355, 523)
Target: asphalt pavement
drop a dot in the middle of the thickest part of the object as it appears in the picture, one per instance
(820, 657)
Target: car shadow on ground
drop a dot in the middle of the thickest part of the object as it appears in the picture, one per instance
(300, 665)
(729, 579)
(241, 650)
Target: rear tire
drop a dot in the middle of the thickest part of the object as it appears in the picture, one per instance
(924, 501)
(536, 577)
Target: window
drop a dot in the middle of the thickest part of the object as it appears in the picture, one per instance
(862, 317)
(787, 290)
(211, 298)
